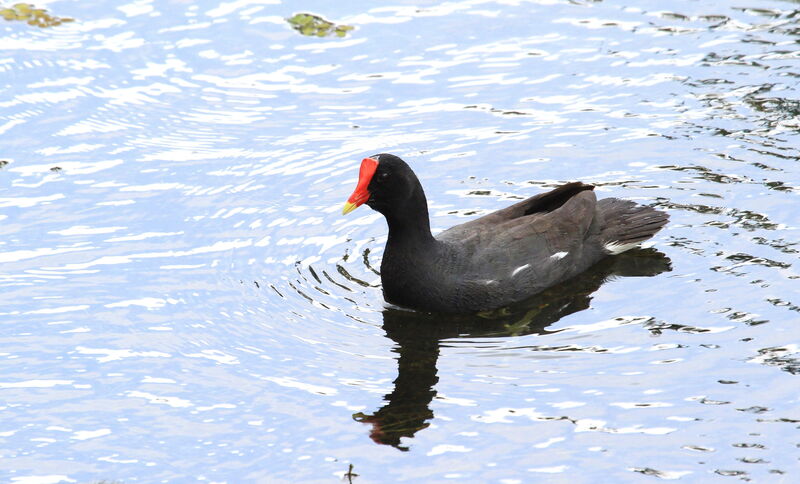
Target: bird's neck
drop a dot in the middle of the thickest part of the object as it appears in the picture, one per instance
(409, 224)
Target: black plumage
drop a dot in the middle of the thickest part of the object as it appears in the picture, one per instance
(497, 259)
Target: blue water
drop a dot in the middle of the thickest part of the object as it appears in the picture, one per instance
(182, 301)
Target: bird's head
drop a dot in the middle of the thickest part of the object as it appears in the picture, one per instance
(384, 182)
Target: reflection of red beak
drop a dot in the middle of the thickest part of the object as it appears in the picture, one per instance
(361, 194)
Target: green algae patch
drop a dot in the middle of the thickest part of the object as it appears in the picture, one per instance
(38, 17)
(316, 26)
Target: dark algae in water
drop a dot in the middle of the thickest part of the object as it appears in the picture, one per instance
(314, 25)
(37, 17)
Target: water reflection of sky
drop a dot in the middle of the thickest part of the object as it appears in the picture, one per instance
(182, 299)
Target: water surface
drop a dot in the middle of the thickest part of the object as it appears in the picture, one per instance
(183, 302)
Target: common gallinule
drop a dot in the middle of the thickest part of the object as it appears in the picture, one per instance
(497, 259)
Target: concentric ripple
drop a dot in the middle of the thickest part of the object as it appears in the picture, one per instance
(181, 298)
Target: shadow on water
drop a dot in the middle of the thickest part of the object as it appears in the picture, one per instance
(419, 336)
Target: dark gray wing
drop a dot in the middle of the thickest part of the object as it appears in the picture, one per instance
(538, 204)
(528, 246)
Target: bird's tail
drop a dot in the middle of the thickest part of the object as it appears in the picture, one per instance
(628, 224)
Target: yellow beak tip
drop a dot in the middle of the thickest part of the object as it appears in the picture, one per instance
(349, 207)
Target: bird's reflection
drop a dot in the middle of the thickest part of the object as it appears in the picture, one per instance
(418, 336)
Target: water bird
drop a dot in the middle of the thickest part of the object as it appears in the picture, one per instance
(499, 258)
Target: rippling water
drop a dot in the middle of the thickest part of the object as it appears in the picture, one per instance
(182, 301)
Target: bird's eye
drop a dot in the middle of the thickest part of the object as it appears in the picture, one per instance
(383, 176)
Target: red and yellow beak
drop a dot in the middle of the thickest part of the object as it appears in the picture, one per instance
(361, 194)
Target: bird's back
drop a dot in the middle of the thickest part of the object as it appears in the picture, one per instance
(518, 251)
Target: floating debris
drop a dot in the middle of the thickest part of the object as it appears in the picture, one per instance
(3, 163)
(33, 16)
(350, 475)
(314, 25)
(55, 169)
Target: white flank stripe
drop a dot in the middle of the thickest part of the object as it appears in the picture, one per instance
(518, 269)
(559, 255)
